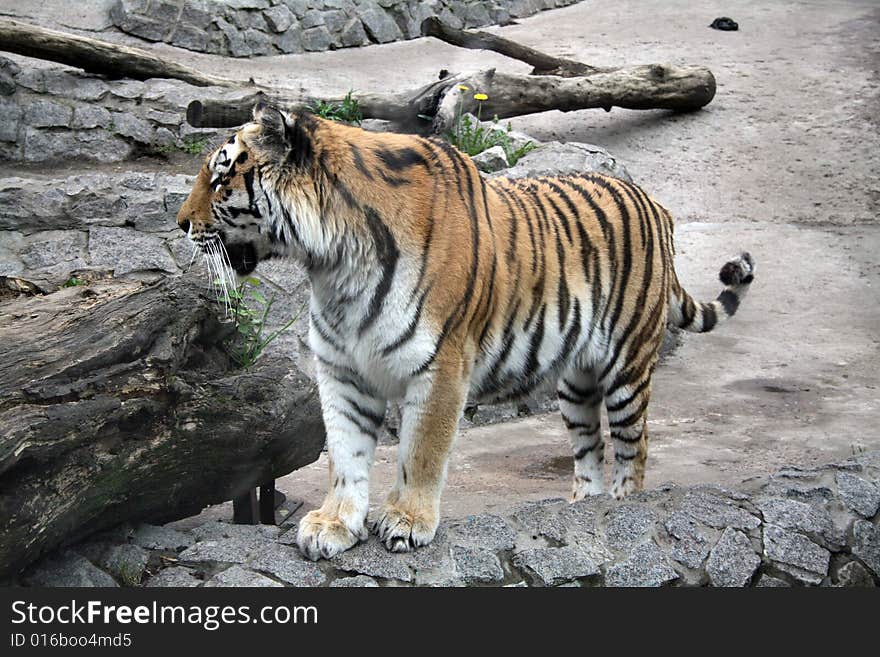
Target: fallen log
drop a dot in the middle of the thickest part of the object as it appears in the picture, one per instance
(543, 63)
(117, 405)
(96, 56)
(434, 108)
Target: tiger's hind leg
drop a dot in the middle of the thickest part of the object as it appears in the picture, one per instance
(580, 403)
(627, 405)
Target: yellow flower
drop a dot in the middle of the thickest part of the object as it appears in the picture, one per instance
(481, 97)
(464, 88)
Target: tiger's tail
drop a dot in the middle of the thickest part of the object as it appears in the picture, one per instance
(700, 317)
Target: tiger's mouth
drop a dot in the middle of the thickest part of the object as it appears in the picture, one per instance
(242, 258)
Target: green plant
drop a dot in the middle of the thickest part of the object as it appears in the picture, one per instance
(348, 111)
(192, 144)
(473, 137)
(249, 308)
(73, 281)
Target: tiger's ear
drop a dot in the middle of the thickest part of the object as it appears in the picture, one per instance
(284, 138)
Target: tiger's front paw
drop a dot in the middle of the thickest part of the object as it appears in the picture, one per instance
(323, 535)
(402, 531)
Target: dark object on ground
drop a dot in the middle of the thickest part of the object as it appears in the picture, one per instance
(116, 405)
(724, 23)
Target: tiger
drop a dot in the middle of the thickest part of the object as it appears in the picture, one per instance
(432, 287)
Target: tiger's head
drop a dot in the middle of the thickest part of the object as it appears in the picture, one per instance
(257, 196)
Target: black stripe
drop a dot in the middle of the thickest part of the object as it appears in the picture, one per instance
(710, 317)
(410, 331)
(359, 162)
(387, 255)
(402, 159)
(583, 451)
(367, 431)
(619, 406)
(366, 413)
(730, 301)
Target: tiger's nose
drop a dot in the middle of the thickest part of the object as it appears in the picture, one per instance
(184, 225)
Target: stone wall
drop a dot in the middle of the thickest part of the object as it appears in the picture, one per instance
(799, 527)
(242, 28)
(63, 116)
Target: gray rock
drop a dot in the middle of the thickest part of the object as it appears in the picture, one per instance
(853, 574)
(75, 86)
(646, 566)
(733, 560)
(477, 565)
(691, 546)
(191, 37)
(552, 566)
(125, 562)
(9, 126)
(300, 7)
(90, 116)
(539, 518)
(129, 125)
(491, 159)
(235, 42)
(48, 114)
(286, 564)
(278, 18)
(380, 27)
(174, 577)
(476, 15)
(484, 531)
(125, 250)
(312, 18)
(217, 529)
(717, 512)
(128, 89)
(866, 545)
(796, 555)
(236, 576)
(861, 496)
(359, 581)
(371, 558)
(628, 524)
(196, 14)
(258, 41)
(353, 34)
(225, 542)
(767, 581)
(68, 569)
(801, 517)
(316, 39)
(335, 20)
(290, 41)
(50, 256)
(152, 537)
(224, 550)
(555, 158)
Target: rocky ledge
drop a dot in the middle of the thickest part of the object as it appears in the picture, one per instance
(797, 527)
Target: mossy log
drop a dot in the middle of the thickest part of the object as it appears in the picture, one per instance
(116, 404)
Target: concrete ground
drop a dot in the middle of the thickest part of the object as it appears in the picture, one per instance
(785, 162)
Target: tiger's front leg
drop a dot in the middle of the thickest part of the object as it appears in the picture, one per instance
(431, 409)
(352, 418)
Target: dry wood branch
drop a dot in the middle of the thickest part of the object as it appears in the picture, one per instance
(96, 56)
(640, 87)
(544, 64)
